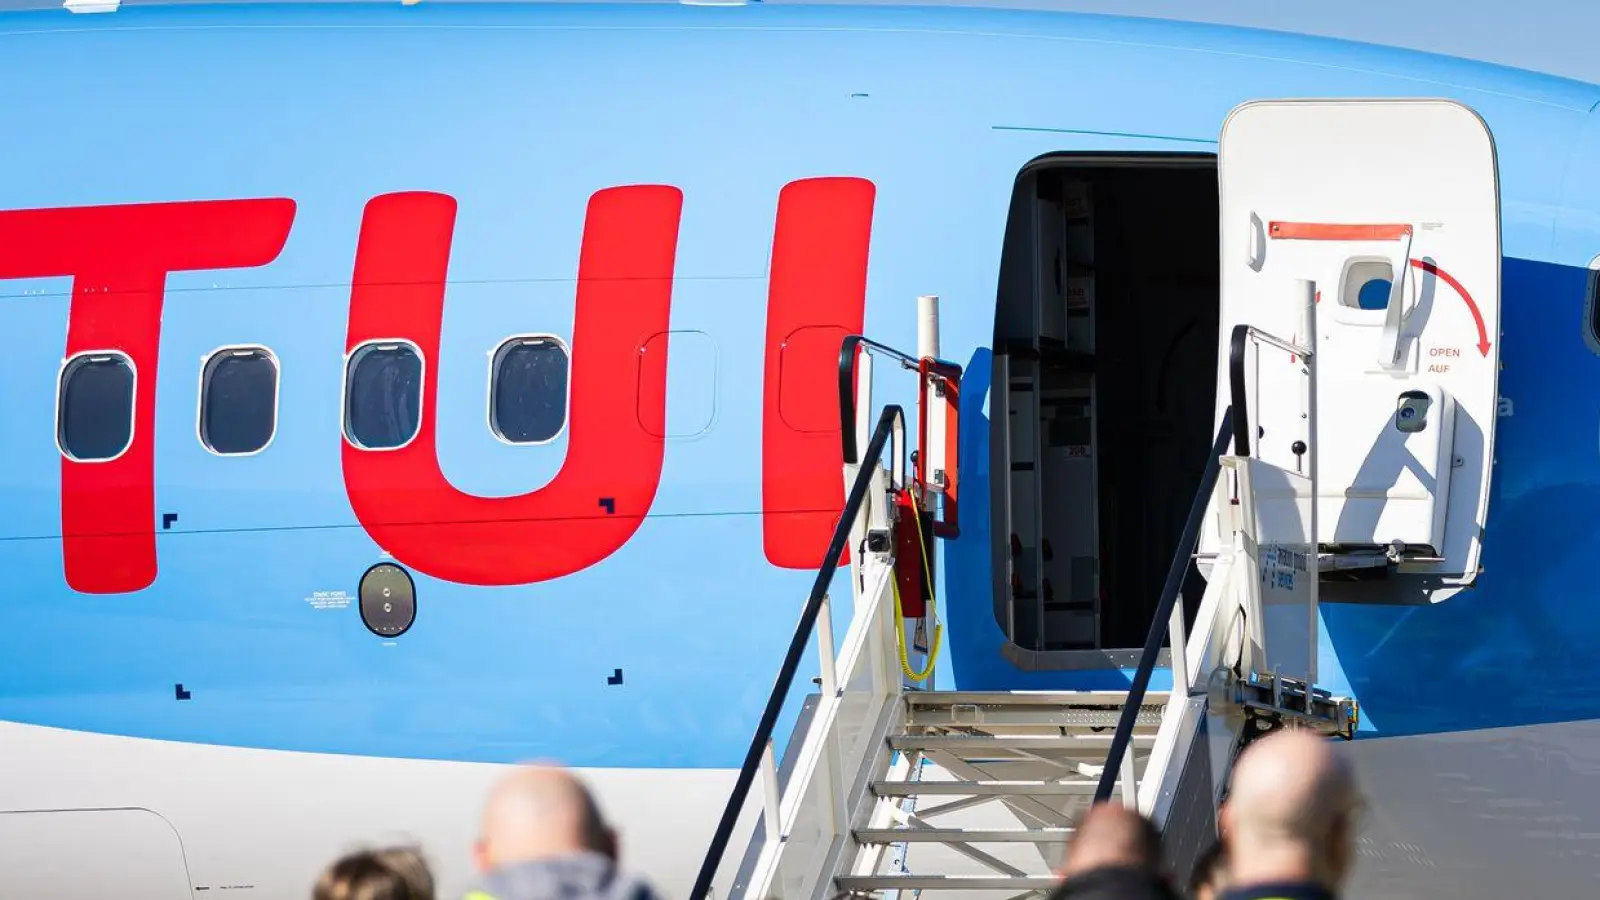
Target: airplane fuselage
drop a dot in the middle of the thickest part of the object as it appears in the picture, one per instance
(687, 208)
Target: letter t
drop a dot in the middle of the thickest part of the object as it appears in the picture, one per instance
(118, 258)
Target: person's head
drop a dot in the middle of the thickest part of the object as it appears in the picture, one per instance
(1291, 812)
(395, 873)
(1112, 836)
(538, 812)
(1209, 876)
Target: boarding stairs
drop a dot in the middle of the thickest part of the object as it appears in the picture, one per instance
(887, 785)
(987, 787)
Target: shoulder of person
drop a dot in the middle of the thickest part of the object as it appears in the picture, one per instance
(1115, 883)
(1294, 890)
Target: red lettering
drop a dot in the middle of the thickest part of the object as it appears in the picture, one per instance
(1444, 351)
(599, 498)
(118, 258)
(816, 296)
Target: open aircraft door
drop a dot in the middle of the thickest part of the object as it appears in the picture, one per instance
(1390, 209)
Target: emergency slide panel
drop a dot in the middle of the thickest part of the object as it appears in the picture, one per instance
(1391, 207)
(1280, 593)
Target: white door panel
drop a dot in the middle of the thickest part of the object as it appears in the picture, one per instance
(1350, 194)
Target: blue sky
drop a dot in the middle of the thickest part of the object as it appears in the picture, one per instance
(1555, 36)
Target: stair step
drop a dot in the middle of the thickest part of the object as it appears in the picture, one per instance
(1097, 743)
(946, 882)
(963, 835)
(1030, 698)
(1067, 788)
(1016, 716)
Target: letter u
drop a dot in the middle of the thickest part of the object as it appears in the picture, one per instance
(612, 470)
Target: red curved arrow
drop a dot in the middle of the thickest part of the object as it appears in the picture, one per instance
(1328, 231)
(1477, 315)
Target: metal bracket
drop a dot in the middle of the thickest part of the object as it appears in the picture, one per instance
(1277, 701)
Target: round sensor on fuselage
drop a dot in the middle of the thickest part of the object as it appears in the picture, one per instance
(388, 600)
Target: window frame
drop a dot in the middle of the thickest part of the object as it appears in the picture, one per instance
(1348, 314)
(61, 390)
(344, 392)
(1591, 307)
(200, 399)
(494, 367)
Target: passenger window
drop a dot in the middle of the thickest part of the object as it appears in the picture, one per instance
(1366, 284)
(94, 414)
(1591, 306)
(528, 389)
(238, 400)
(1374, 294)
(383, 395)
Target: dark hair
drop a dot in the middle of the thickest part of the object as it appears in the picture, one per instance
(1206, 867)
(1150, 840)
(394, 873)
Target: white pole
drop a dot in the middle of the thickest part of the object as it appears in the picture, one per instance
(1308, 303)
(928, 325)
(928, 347)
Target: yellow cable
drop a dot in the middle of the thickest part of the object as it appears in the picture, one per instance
(899, 616)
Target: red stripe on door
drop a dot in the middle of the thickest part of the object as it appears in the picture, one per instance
(1329, 231)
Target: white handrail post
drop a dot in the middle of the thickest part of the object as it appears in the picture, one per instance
(1130, 786)
(1178, 637)
(830, 676)
(832, 763)
(772, 798)
(1308, 301)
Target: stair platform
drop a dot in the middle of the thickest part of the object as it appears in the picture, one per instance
(1012, 771)
(962, 835)
(872, 883)
(1025, 884)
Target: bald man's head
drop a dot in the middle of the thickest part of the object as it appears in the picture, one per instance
(538, 812)
(1290, 811)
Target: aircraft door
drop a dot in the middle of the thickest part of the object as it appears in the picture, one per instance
(1391, 208)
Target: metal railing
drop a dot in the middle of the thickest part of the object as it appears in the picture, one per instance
(933, 374)
(848, 381)
(1168, 617)
(889, 433)
(1235, 430)
(1238, 343)
(857, 518)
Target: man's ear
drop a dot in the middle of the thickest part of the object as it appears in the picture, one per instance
(1341, 848)
(480, 856)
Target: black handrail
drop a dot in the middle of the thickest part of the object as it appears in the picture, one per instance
(1236, 385)
(1169, 596)
(1236, 388)
(847, 385)
(1235, 428)
(891, 425)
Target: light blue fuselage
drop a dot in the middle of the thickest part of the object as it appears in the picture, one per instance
(521, 113)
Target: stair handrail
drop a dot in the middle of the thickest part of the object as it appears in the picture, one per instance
(1234, 429)
(1123, 737)
(890, 428)
(1237, 389)
(847, 382)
